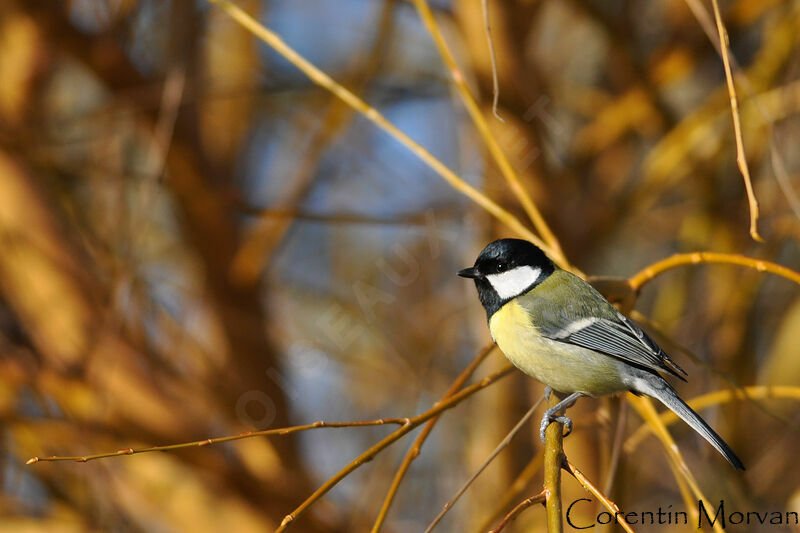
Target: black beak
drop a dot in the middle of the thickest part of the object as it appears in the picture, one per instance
(470, 272)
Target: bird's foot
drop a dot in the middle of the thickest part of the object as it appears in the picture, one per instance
(549, 418)
(551, 415)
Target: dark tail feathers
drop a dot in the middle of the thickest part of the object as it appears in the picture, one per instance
(663, 392)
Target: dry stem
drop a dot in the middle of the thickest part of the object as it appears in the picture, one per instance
(741, 159)
(554, 248)
(638, 280)
(517, 487)
(499, 448)
(493, 59)
(612, 507)
(389, 439)
(413, 453)
(218, 440)
(516, 511)
(323, 80)
(644, 406)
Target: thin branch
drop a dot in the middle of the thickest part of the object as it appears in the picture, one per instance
(781, 174)
(500, 447)
(616, 447)
(612, 507)
(171, 97)
(778, 165)
(258, 246)
(695, 258)
(758, 392)
(414, 451)
(741, 159)
(493, 59)
(554, 248)
(516, 511)
(368, 455)
(517, 487)
(246, 435)
(645, 408)
(370, 113)
(410, 219)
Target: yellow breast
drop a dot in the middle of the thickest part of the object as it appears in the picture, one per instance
(564, 367)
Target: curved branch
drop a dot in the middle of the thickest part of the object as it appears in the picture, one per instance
(695, 258)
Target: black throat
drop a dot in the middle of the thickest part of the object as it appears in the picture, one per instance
(491, 300)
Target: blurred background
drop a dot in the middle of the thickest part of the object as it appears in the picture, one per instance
(196, 241)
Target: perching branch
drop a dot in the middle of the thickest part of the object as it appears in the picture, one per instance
(553, 456)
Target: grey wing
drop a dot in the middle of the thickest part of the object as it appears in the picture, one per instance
(620, 338)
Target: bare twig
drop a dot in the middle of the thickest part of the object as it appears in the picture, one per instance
(410, 219)
(645, 275)
(741, 159)
(370, 113)
(413, 453)
(516, 488)
(778, 164)
(554, 248)
(493, 59)
(500, 447)
(612, 507)
(389, 439)
(517, 510)
(171, 98)
(205, 442)
(258, 246)
(616, 447)
(407, 424)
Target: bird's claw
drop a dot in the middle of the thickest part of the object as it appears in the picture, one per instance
(549, 419)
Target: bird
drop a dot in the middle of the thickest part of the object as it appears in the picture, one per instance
(558, 329)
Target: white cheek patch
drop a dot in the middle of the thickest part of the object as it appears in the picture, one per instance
(514, 282)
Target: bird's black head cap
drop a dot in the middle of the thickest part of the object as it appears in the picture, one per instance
(501, 256)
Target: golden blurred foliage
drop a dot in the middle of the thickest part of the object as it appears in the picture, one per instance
(197, 240)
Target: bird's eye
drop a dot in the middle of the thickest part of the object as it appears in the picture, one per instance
(501, 266)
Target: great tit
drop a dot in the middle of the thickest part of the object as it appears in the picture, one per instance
(557, 328)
